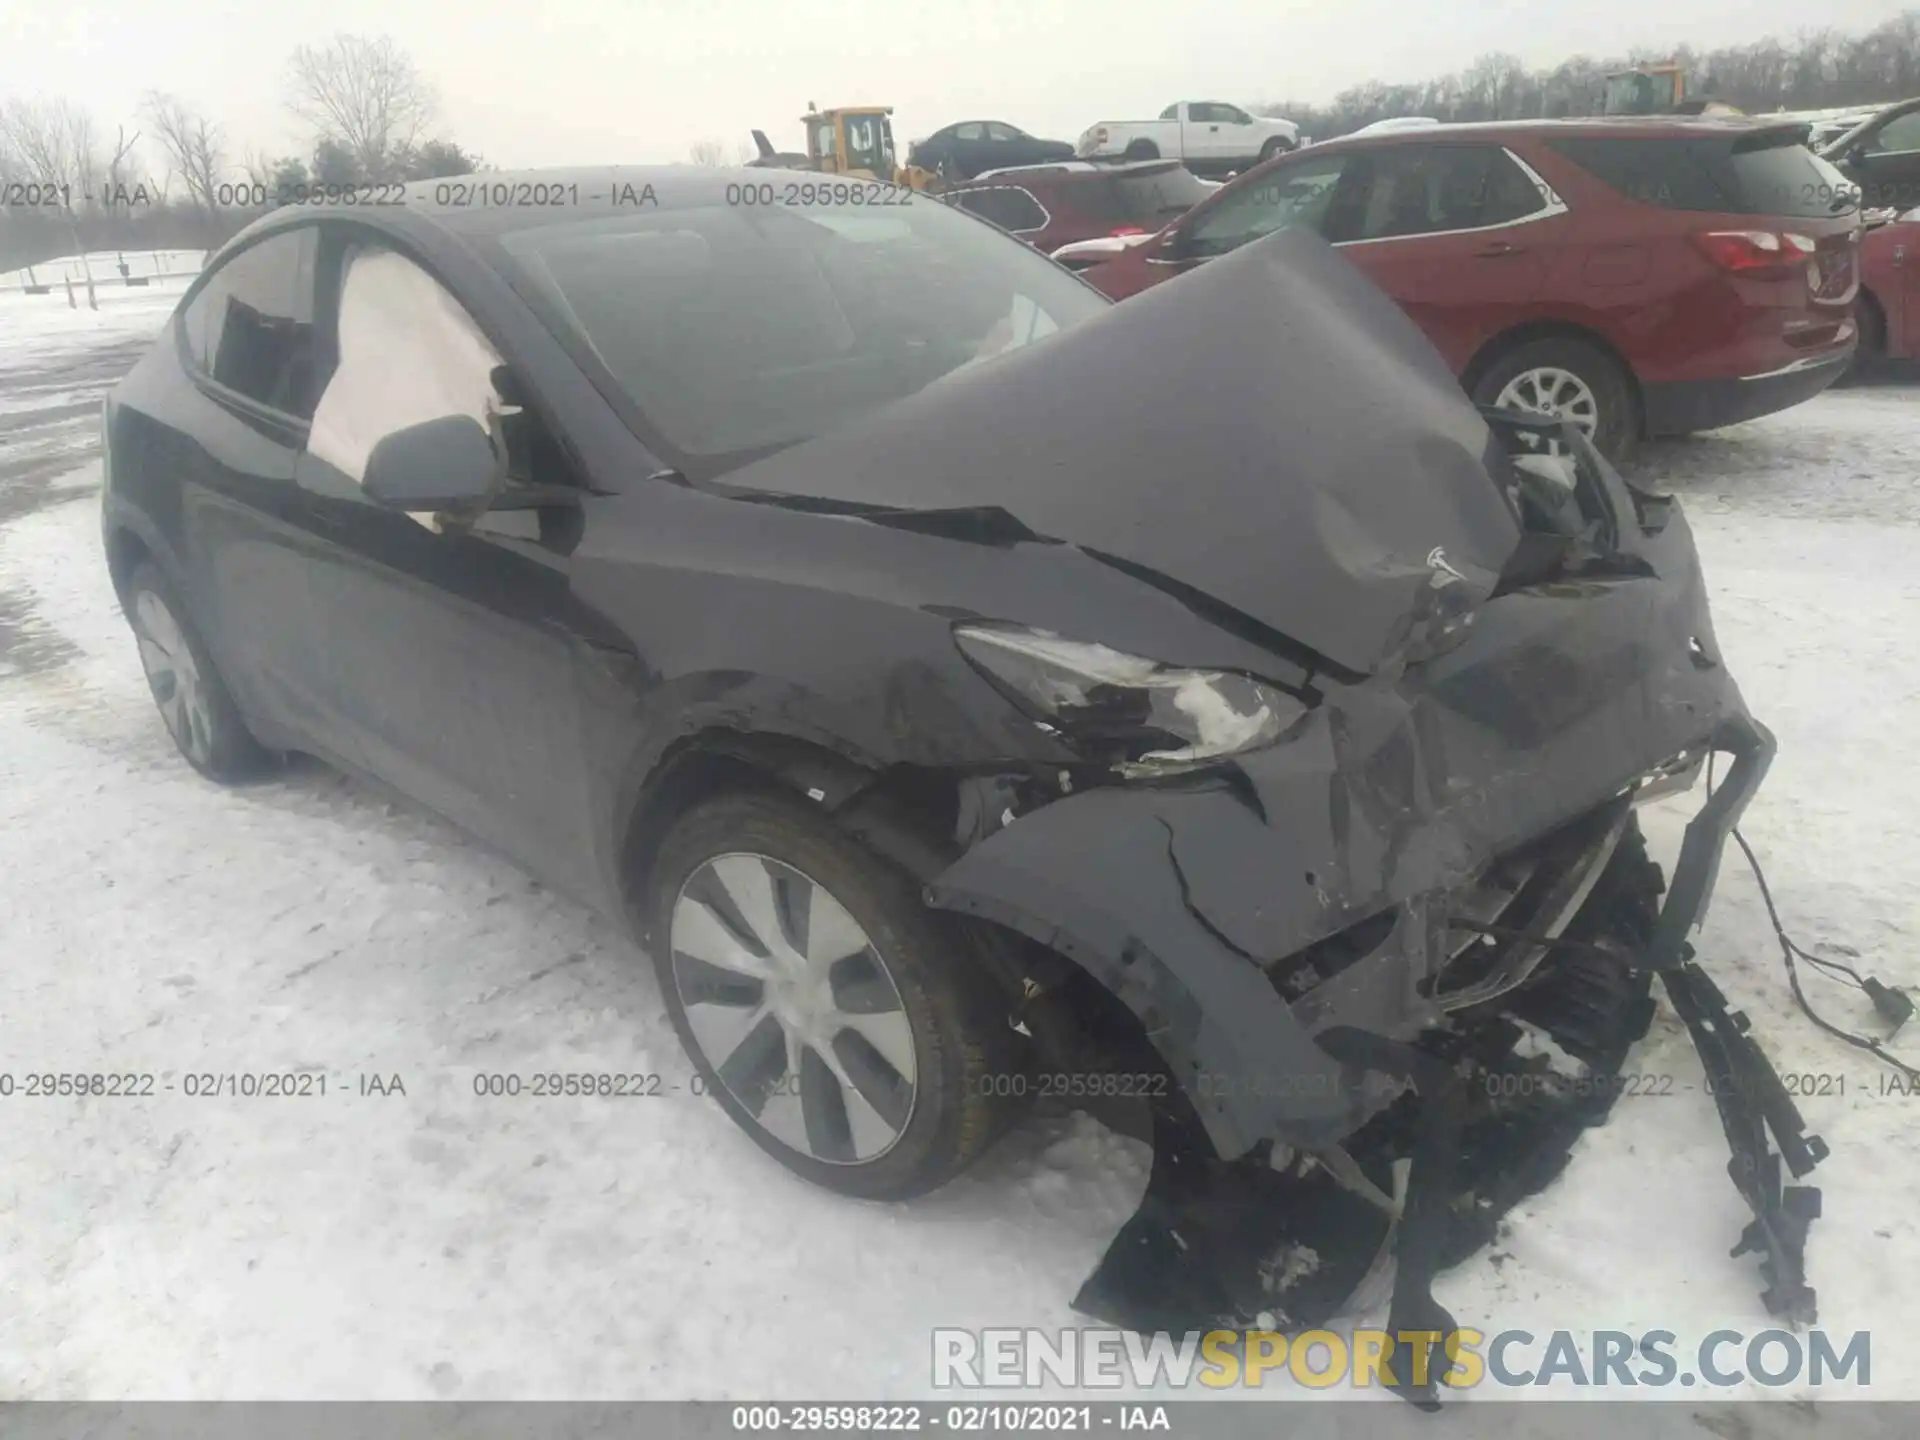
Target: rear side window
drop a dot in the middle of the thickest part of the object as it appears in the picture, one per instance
(1155, 199)
(1007, 206)
(1761, 175)
(1433, 189)
(251, 327)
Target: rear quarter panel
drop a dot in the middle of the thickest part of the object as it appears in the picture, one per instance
(1629, 272)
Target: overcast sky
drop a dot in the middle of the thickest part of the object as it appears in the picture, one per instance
(533, 82)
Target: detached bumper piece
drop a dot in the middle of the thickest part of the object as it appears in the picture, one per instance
(1752, 1101)
(1287, 1242)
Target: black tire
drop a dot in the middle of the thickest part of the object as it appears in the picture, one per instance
(1872, 348)
(1617, 429)
(1141, 150)
(964, 1047)
(209, 733)
(1273, 147)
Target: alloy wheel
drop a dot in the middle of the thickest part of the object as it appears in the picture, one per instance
(1553, 391)
(793, 1009)
(174, 676)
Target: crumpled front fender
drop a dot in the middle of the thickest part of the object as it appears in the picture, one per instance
(1094, 877)
(1183, 897)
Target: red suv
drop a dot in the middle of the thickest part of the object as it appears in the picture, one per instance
(1639, 277)
(1889, 311)
(1053, 205)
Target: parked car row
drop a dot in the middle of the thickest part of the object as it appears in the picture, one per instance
(1643, 276)
(1209, 136)
(1639, 277)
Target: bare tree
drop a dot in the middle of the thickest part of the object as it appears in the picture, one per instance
(366, 94)
(192, 144)
(715, 153)
(123, 169)
(259, 169)
(51, 143)
(1815, 69)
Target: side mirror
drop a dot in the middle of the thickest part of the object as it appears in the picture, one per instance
(448, 464)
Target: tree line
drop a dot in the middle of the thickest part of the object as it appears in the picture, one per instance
(1817, 70)
(174, 180)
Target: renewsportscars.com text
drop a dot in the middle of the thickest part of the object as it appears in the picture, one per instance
(1219, 1359)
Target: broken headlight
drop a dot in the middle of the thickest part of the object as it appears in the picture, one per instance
(1138, 716)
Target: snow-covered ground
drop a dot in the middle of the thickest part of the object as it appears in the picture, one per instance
(57, 363)
(437, 1243)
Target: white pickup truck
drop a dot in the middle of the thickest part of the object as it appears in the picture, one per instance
(1209, 136)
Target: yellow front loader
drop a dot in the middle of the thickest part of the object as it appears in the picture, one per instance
(852, 140)
(1656, 90)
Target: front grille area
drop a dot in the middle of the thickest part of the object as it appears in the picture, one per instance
(1535, 889)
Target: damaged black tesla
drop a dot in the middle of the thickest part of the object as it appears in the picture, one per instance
(956, 680)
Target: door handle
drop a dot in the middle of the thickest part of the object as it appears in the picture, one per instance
(1498, 250)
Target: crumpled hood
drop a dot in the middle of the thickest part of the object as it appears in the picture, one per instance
(1270, 430)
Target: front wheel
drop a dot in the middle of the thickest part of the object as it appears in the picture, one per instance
(847, 1028)
(1570, 380)
(1276, 146)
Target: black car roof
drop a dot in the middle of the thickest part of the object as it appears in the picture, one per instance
(496, 202)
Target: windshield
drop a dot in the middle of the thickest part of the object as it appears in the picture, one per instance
(1631, 94)
(870, 144)
(731, 330)
(1837, 140)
